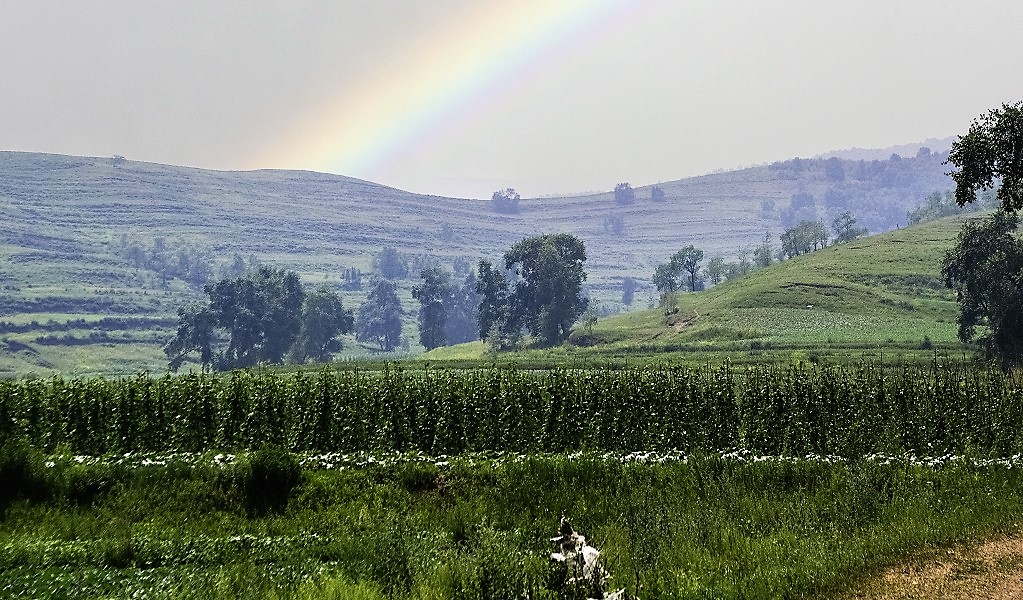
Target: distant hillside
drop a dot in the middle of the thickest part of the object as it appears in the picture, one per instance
(67, 219)
(878, 296)
(935, 145)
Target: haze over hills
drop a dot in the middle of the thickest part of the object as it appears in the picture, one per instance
(67, 220)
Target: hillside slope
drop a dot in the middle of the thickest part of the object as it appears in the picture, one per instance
(877, 296)
(66, 218)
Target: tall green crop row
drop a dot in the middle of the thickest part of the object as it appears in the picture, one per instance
(788, 410)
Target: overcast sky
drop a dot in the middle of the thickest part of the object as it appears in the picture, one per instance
(463, 97)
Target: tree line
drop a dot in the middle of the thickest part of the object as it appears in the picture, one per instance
(266, 316)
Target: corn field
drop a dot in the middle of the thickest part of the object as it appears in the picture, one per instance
(775, 410)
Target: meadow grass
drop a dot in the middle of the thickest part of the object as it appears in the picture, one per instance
(470, 527)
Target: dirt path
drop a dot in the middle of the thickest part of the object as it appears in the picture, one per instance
(991, 570)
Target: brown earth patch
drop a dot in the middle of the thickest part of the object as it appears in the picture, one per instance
(990, 570)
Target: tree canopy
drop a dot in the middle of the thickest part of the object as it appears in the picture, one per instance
(260, 314)
(505, 201)
(546, 298)
(548, 295)
(379, 317)
(985, 268)
(432, 293)
(991, 154)
(668, 276)
(844, 226)
(324, 318)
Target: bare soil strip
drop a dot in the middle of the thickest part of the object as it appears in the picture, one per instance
(989, 570)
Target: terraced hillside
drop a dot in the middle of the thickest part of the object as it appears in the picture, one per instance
(880, 296)
(73, 300)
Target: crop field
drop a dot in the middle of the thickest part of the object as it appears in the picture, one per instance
(715, 482)
(792, 410)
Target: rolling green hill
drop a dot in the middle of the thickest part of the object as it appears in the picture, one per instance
(877, 296)
(72, 300)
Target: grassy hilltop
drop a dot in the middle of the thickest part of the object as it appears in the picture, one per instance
(879, 296)
(71, 303)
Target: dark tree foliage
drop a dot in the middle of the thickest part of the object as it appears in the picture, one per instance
(505, 201)
(985, 268)
(260, 314)
(433, 293)
(379, 317)
(389, 264)
(716, 270)
(657, 194)
(629, 287)
(460, 312)
(196, 333)
(845, 229)
(548, 296)
(804, 238)
(624, 194)
(991, 154)
(668, 276)
(493, 312)
(324, 318)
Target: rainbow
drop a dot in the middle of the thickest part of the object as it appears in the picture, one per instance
(359, 130)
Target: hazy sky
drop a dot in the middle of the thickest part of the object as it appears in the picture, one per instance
(462, 97)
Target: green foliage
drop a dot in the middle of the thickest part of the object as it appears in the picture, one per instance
(991, 153)
(379, 317)
(389, 264)
(22, 473)
(505, 201)
(668, 276)
(268, 476)
(189, 263)
(548, 294)
(985, 268)
(805, 237)
(460, 311)
(477, 527)
(494, 312)
(432, 294)
(324, 318)
(845, 229)
(938, 205)
(794, 409)
(260, 314)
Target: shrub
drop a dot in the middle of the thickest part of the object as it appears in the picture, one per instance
(268, 477)
(22, 473)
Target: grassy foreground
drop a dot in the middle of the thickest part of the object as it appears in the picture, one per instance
(477, 526)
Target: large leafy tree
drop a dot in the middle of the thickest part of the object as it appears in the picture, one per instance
(548, 295)
(668, 276)
(493, 312)
(460, 312)
(432, 294)
(259, 314)
(844, 226)
(324, 318)
(688, 261)
(991, 154)
(985, 268)
(379, 317)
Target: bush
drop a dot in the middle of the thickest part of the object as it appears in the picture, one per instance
(268, 477)
(22, 473)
